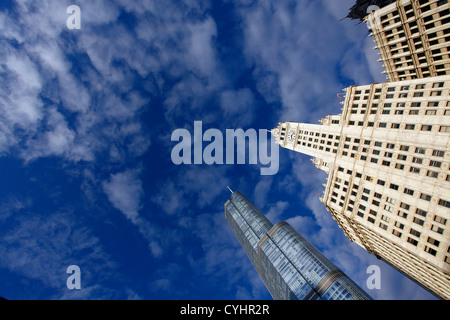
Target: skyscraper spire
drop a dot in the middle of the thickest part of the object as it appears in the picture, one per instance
(290, 266)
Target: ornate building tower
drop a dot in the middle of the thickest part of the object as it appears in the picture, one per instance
(388, 159)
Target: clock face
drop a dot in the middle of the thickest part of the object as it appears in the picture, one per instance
(291, 135)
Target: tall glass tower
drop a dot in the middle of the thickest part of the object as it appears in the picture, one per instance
(290, 266)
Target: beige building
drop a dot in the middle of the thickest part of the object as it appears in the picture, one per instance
(387, 156)
(413, 38)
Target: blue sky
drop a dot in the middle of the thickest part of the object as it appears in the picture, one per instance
(85, 142)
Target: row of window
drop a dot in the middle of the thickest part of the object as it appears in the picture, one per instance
(404, 108)
(400, 95)
(405, 126)
(397, 227)
(410, 126)
(423, 196)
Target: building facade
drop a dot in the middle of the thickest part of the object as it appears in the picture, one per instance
(387, 156)
(412, 38)
(290, 266)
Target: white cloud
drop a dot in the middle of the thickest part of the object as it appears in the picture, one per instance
(275, 212)
(202, 54)
(156, 249)
(290, 48)
(124, 191)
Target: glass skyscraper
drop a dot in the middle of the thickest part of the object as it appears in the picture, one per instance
(290, 266)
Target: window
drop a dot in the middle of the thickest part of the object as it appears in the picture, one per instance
(418, 221)
(408, 191)
(399, 225)
(402, 214)
(396, 233)
(432, 174)
(436, 93)
(433, 104)
(404, 206)
(420, 150)
(421, 212)
(414, 170)
(426, 128)
(444, 203)
(417, 160)
(430, 250)
(437, 229)
(410, 127)
(438, 153)
(414, 232)
(414, 242)
(425, 197)
(436, 164)
(390, 200)
(393, 186)
(434, 242)
(440, 220)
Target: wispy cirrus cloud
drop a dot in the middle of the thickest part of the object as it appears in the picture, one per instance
(41, 247)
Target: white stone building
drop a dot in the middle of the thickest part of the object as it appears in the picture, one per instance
(387, 156)
(412, 38)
